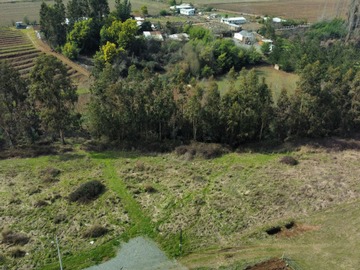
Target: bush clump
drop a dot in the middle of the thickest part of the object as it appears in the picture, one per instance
(288, 160)
(149, 188)
(59, 218)
(10, 237)
(95, 231)
(87, 192)
(41, 203)
(50, 174)
(202, 150)
(17, 253)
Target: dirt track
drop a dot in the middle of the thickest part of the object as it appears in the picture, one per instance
(83, 74)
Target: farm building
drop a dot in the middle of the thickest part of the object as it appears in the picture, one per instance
(233, 20)
(187, 11)
(139, 20)
(153, 35)
(278, 20)
(246, 37)
(20, 25)
(180, 7)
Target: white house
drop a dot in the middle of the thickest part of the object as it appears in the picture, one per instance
(245, 36)
(182, 6)
(179, 36)
(153, 35)
(187, 11)
(233, 20)
(278, 20)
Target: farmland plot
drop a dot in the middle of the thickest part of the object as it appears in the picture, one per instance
(17, 50)
(311, 10)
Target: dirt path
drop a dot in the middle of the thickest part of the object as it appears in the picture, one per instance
(42, 46)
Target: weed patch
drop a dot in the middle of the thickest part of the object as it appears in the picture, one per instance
(12, 238)
(288, 160)
(87, 192)
(95, 231)
(17, 253)
(201, 150)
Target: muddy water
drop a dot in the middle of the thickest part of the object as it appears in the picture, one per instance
(139, 254)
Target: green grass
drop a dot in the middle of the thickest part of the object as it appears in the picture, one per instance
(220, 203)
(275, 79)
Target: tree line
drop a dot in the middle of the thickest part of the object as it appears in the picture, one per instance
(146, 90)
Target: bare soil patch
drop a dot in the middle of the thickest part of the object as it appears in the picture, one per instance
(297, 229)
(273, 264)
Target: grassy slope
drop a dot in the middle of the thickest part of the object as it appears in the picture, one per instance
(220, 203)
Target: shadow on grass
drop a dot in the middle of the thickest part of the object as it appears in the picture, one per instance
(333, 144)
(120, 154)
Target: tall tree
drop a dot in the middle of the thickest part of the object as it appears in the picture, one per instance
(99, 9)
(54, 95)
(122, 10)
(15, 111)
(77, 10)
(52, 23)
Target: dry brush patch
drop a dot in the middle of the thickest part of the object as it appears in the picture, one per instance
(47, 212)
(215, 200)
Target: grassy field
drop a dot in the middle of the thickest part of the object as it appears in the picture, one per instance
(275, 79)
(222, 205)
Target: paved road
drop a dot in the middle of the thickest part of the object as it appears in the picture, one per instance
(139, 254)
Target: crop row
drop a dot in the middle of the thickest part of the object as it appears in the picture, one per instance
(26, 47)
(18, 53)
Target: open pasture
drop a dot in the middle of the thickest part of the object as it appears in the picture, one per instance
(311, 10)
(224, 206)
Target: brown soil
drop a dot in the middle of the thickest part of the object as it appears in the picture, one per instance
(312, 10)
(84, 77)
(273, 264)
(297, 230)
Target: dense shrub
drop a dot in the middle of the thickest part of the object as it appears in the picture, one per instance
(202, 150)
(95, 231)
(87, 191)
(50, 174)
(40, 203)
(59, 218)
(17, 253)
(10, 237)
(149, 188)
(288, 160)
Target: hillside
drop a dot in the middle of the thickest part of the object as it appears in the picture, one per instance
(21, 47)
(223, 206)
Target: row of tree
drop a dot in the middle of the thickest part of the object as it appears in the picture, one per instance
(43, 105)
(145, 105)
(148, 106)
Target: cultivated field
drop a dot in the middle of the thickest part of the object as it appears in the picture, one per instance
(311, 10)
(18, 50)
(21, 48)
(223, 206)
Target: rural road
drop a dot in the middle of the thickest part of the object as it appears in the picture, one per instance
(42, 46)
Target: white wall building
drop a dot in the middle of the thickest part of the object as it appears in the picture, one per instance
(188, 11)
(182, 6)
(246, 37)
(233, 20)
